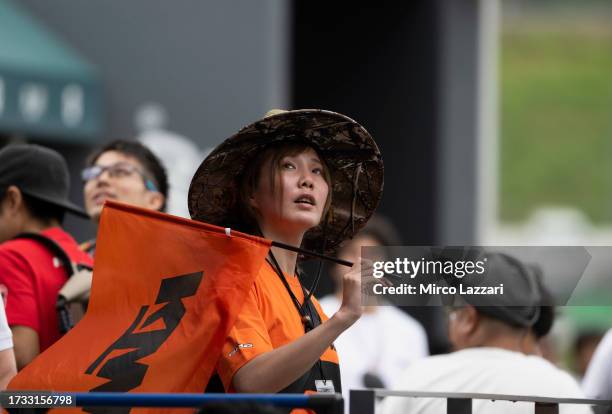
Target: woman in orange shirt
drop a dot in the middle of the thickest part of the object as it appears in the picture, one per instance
(308, 178)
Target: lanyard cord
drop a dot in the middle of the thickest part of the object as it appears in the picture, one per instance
(318, 277)
(307, 320)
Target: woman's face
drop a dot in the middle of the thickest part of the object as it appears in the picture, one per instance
(294, 199)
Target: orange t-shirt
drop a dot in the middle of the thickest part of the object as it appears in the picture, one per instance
(268, 320)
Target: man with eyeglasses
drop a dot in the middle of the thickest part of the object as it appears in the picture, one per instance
(124, 171)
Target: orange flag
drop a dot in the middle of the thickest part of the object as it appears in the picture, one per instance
(165, 293)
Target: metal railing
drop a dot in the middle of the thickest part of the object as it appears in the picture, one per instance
(363, 401)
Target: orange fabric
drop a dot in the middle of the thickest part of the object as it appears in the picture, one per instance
(268, 320)
(152, 272)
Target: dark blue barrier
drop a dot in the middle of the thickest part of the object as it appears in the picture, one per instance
(320, 403)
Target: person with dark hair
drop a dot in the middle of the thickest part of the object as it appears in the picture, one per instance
(124, 171)
(34, 185)
(536, 341)
(489, 356)
(369, 351)
(306, 178)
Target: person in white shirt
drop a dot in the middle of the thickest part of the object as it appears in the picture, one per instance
(8, 366)
(492, 355)
(597, 382)
(385, 340)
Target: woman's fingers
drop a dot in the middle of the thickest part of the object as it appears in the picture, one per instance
(351, 293)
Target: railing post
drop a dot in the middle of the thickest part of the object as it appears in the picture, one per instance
(602, 409)
(458, 406)
(326, 403)
(546, 408)
(362, 401)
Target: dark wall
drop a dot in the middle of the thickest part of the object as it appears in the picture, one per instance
(214, 65)
(377, 64)
(218, 65)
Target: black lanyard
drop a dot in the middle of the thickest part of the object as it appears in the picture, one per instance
(303, 309)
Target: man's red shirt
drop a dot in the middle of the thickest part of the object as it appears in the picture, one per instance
(33, 277)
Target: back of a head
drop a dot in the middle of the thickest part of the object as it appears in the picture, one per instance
(543, 325)
(519, 306)
(42, 210)
(500, 320)
(379, 231)
(383, 230)
(149, 162)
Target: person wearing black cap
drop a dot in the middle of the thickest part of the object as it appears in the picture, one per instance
(34, 185)
(489, 355)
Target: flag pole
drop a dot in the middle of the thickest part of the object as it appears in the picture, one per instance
(311, 254)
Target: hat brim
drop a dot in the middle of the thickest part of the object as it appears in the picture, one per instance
(354, 160)
(65, 204)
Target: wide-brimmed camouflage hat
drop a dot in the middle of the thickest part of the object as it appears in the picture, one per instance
(354, 161)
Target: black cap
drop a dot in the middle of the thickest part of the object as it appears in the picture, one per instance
(38, 172)
(522, 298)
(521, 302)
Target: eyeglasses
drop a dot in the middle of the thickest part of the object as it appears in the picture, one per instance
(119, 170)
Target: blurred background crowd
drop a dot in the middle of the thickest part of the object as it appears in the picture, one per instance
(493, 116)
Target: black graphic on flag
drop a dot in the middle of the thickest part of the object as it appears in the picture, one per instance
(123, 371)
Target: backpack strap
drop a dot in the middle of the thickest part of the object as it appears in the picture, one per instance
(64, 318)
(53, 247)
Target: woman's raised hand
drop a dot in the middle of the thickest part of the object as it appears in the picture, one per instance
(351, 307)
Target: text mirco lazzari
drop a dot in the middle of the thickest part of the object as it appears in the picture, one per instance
(407, 268)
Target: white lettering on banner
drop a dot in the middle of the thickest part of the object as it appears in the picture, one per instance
(33, 101)
(72, 105)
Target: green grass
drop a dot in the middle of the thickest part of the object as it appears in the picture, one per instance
(556, 121)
